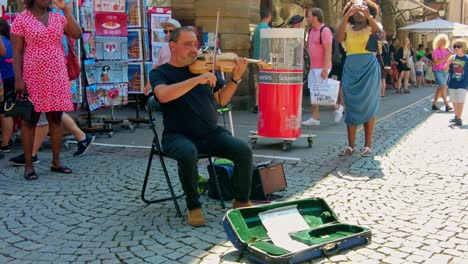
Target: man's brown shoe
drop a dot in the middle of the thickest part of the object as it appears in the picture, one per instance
(236, 204)
(195, 217)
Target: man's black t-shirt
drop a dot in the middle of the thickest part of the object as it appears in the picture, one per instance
(194, 113)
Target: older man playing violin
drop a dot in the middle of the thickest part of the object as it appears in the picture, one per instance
(188, 103)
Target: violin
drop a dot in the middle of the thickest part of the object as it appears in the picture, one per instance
(225, 62)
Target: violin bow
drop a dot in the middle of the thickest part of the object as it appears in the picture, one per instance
(216, 42)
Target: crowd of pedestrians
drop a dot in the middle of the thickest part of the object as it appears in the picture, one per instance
(400, 65)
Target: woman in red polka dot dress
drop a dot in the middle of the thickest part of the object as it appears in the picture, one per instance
(39, 63)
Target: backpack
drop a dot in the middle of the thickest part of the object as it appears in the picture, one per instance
(224, 172)
(336, 53)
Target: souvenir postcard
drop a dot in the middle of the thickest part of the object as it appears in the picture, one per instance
(111, 48)
(75, 86)
(134, 11)
(155, 51)
(111, 24)
(135, 45)
(87, 16)
(89, 45)
(156, 20)
(136, 81)
(111, 71)
(157, 36)
(90, 71)
(148, 67)
(109, 6)
(108, 94)
(158, 3)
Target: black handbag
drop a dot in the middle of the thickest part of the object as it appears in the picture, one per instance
(372, 43)
(20, 107)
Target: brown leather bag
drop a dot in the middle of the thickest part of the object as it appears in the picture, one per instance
(73, 65)
(267, 178)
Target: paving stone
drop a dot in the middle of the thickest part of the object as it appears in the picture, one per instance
(410, 195)
(439, 259)
(393, 260)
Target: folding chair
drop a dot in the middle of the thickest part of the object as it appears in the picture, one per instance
(153, 105)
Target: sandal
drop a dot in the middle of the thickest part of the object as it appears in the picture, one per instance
(30, 176)
(348, 151)
(61, 169)
(366, 152)
(407, 91)
(398, 91)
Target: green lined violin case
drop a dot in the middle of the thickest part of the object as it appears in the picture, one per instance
(325, 234)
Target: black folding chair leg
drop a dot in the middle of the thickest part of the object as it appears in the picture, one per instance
(218, 188)
(173, 196)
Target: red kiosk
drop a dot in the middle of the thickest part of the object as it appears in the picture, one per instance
(280, 88)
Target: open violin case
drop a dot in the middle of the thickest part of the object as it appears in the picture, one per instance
(321, 234)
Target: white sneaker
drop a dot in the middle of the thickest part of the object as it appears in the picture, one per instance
(311, 122)
(338, 114)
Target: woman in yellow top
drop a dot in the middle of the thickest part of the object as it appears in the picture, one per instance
(361, 72)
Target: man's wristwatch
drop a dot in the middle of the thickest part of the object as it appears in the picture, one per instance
(236, 82)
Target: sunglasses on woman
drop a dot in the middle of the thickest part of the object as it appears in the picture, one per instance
(457, 47)
(167, 31)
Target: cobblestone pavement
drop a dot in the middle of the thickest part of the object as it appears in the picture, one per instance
(413, 195)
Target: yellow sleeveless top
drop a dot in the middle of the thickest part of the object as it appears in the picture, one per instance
(356, 41)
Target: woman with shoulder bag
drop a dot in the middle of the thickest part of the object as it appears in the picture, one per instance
(40, 70)
(361, 73)
(403, 57)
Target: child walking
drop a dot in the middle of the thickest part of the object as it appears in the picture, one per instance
(457, 67)
(419, 68)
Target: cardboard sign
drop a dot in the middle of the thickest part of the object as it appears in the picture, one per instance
(111, 24)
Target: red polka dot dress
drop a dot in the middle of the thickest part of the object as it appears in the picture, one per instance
(44, 62)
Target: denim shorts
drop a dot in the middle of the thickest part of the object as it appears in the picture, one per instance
(419, 73)
(42, 120)
(441, 77)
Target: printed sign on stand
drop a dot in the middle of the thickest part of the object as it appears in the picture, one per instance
(111, 24)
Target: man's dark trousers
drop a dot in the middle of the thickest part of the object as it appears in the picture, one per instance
(220, 143)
